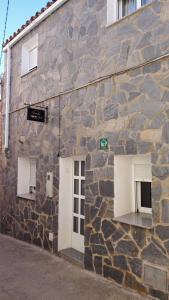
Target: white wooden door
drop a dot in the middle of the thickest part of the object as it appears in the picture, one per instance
(78, 219)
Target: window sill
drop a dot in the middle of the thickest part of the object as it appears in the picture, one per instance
(29, 72)
(31, 197)
(128, 16)
(137, 219)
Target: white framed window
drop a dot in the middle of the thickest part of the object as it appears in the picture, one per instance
(117, 9)
(29, 55)
(132, 184)
(142, 186)
(26, 184)
(143, 196)
(33, 54)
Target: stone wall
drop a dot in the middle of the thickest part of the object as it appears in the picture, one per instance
(122, 252)
(82, 48)
(131, 109)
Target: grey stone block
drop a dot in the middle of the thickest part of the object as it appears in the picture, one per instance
(154, 255)
(113, 273)
(162, 232)
(158, 294)
(131, 147)
(107, 228)
(165, 210)
(165, 133)
(106, 188)
(127, 247)
(99, 159)
(110, 111)
(120, 262)
(155, 277)
(136, 266)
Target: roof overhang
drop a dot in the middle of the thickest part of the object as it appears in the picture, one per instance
(35, 22)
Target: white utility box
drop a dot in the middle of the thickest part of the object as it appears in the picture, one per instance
(49, 184)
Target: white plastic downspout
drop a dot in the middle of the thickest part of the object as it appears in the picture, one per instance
(8, 90)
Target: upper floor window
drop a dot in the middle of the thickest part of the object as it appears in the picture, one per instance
(117, 9)
(29, 55)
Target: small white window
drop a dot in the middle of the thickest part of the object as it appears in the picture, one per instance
(26, 176)
(29, 55)
(142, 186)
(117, 9)
(132, 184)
(33, 54)
(143, 196)
(32, 181)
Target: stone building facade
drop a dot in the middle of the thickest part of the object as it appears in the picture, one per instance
(97, 81)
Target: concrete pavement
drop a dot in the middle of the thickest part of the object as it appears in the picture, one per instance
(27, 272)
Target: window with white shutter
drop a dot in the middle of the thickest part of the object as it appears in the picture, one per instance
(132, 184)
(142, 180)
(29, 55)
(33, 54)
(117, 9)
(26, 183)
(32, 183)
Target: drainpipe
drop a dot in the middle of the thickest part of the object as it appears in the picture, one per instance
(8, 90)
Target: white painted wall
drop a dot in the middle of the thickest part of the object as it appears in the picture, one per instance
(23, 175)
(128, 169)
(122, 185)
(65, 204)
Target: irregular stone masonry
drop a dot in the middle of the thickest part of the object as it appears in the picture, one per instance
(131, 110)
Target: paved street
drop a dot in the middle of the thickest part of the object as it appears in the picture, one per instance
(28, 272)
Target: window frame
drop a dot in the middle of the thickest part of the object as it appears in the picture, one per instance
(127, 170)
(80, 178)
(26, 186)
(27, 48)
(113, 14)
(36, 56)
(140, 178)
(139, 208)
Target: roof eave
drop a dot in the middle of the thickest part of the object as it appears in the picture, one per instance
(34, 23)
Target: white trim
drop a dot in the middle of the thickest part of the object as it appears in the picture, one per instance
(77, 237)
(112, 13)
(27, 48)
(65, 203)
(140, 208)
(114, 10)
(34, 23)
(139, 4)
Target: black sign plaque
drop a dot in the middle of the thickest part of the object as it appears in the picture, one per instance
(34, 114)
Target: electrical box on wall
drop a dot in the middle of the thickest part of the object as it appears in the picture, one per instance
(49, 184)
(51, 236)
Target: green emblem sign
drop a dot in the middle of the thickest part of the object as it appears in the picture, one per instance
(103, 144)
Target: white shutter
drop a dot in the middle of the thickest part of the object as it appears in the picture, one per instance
(32, 173)
(112, 11)
(33, 58)
(23, 175)
(142, 172)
